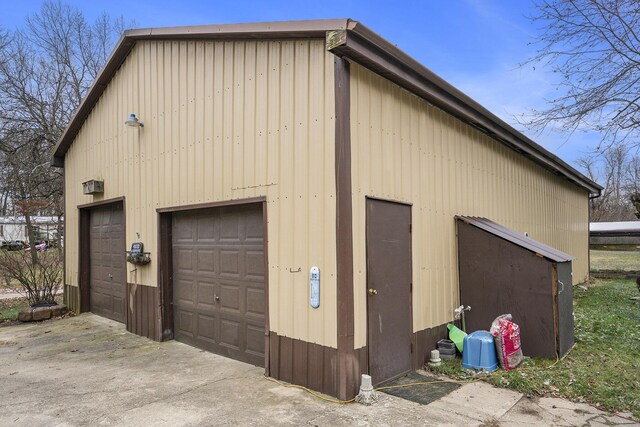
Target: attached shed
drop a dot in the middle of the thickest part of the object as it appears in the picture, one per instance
(272, 148)
(502, 271)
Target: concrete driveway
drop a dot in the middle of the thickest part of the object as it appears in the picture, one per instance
(89, 371)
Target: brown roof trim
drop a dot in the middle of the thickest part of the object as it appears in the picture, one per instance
(368, 49)
(354, 41)
(121, 51)
(259, 30)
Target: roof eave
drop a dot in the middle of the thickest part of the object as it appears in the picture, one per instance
(361, 45)
(120, 52)
(345, 38)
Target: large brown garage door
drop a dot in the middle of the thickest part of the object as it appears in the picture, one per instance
(107, 262)
(218, 281)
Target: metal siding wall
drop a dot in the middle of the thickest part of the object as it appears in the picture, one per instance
(223, 120)
(405, 149)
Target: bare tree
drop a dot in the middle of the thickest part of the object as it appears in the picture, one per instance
(618, 172)
(633, 184)
(594, 46)
(45, 70)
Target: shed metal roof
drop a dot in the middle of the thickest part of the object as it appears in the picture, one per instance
(354, 41)
(516, 238)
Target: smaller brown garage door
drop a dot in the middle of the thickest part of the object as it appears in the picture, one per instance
(218, 281)
(107, 262)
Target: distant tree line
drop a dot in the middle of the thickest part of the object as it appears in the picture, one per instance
(618, 170)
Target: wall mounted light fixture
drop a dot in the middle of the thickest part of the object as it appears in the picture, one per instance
(133, 121)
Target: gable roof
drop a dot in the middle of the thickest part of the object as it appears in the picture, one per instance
(354, 41)
(516, 238)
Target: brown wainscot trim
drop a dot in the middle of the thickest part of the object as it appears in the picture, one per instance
(424, 341)
(71, 298)
(362, 356)
(143, 312)
(299, 362)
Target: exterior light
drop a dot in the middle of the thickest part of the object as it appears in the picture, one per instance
(133, 121)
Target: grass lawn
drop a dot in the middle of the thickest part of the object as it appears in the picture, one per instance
(614, 260)
(604, 366)
(9, 309)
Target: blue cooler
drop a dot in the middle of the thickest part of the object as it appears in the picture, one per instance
(479, 351)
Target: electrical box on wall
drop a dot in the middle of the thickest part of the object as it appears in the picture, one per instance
(93, 187)
(314, 287)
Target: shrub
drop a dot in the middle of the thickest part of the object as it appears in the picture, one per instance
(38, 275)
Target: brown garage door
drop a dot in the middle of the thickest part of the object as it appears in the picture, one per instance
(218, 281)
(107, 262)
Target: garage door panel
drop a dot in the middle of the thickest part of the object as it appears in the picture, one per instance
(254, 263)
(183, 232)
(255, 302)
(230, 297)
(230, 334)
(207, 260)
(184, 292)
(254, 229)
(107, 278)
(230, 263)
(207, 328)
(229, 227)
(206, 230)
(227, 265)
(206, 292)
(119, 305)
(184, 323)
(255, 339)
(183, 260)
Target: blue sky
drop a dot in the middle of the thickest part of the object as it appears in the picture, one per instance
(477, 45)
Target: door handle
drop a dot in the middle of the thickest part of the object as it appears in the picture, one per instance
(373, 292)
(562, 288)
(216, 297)
(110, 276)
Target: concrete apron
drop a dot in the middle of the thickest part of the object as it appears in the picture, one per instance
(89, 371)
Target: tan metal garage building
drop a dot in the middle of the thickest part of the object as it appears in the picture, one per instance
(271, 148)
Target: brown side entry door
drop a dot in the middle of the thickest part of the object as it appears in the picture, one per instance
(107, 278)
(218, 281)
(389, 312)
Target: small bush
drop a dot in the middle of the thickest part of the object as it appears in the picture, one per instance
(37, 275)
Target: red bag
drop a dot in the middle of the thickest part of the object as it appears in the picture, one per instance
(506, 336)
